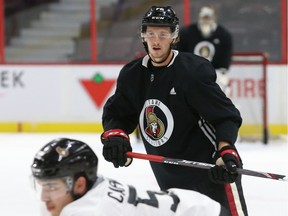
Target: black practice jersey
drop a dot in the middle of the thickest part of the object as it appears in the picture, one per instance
(181, 111)
(217, 48)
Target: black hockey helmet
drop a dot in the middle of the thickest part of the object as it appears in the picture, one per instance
(160, 16)
(65, 157)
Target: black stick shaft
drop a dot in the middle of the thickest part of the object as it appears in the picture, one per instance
(201, 165)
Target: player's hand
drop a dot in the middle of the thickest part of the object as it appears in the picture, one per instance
(227, 162)
(115, 145)
(220, 175)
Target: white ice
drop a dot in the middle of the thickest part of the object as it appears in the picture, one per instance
(264, 197)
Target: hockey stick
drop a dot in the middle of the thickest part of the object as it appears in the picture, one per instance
(201, 165)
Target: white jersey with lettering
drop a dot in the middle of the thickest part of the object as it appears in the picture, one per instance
(109, 197)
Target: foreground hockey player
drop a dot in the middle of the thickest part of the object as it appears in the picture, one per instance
(209, 39)
(182, 113)
(65, 175)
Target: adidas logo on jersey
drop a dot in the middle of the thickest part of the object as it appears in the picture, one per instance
(172, 91)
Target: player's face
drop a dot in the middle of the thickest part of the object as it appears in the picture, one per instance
(55, 195)
(159, 40)
(206, 25)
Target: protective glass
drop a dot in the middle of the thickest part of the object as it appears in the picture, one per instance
(207, 25)
(161, 35)
(52, 189)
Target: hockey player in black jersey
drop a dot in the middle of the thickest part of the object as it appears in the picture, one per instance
(181, 112)
(209, 39)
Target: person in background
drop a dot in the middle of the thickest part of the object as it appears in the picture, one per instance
(209, 39)
(182, 113)
(65, 177)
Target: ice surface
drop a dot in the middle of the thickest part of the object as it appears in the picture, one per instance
(264, 197)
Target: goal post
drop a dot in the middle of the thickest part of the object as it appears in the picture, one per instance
(248, 91)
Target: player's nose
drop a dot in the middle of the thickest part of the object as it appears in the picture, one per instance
(45, 196)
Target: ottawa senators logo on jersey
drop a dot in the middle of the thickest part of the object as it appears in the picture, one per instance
(205, 49)
(155, 127)
(156, 122)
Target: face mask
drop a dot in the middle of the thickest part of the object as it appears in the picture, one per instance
(207, 27)
(52, 189)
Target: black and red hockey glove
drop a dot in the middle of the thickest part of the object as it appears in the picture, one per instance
(227, 161)
(115, 145)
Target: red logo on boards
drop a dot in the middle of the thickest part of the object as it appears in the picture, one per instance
(97, 88)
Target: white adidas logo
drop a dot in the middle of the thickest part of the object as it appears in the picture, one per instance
(172, 91)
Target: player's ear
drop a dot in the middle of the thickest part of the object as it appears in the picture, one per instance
(80, 186)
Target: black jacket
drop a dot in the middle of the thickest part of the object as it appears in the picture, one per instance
(217, 48)
(181, 111)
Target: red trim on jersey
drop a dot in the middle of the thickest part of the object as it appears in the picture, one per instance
(231, 201)
(230, 151)
(115, 132)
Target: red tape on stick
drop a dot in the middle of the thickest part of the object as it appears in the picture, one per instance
(154, 158)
